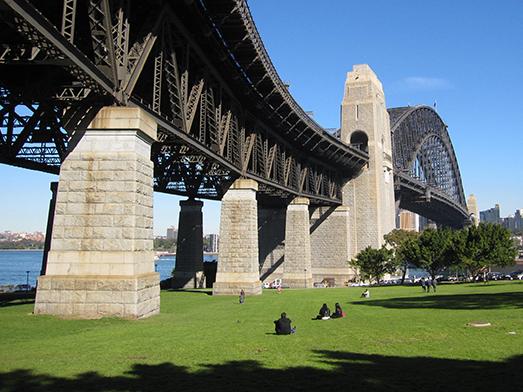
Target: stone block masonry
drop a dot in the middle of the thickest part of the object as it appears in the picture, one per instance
(370, 196)
(330, 245)
(297, 271)
(101, 261)
(238, 255)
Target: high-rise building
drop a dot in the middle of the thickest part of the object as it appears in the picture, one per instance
(509, 222)
(518, 219)
(408, 220)
(172, 233)
(472, 206)
(214, 241)
(491, 215)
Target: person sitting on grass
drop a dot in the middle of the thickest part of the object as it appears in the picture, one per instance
(338, 313)
(365, 294)
(324, 313)
(282, 326)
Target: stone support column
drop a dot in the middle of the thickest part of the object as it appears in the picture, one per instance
(101, 261)
(238, 254)
(271, 242)
(297, 271)
(188, 272)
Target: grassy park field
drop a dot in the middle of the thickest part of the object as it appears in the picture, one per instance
(400, 338)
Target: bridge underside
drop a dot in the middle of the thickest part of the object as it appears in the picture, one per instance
(198, 68)
(428, 202)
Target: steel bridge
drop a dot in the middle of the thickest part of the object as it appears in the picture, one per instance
(427, 179)
(201, 70)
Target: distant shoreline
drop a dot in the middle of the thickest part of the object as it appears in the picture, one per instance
(21, 250)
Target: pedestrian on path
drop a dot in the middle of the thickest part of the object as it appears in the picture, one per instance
(242, 296)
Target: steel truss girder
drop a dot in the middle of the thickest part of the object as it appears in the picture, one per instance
(189, 96)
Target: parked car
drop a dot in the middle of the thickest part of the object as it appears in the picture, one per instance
(517, 275)
(23, 287)
(495, 276)
(272, 285)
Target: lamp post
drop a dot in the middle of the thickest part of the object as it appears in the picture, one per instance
(27, 280)
(305, 278)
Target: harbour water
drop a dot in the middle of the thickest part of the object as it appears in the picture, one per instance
(20, 266)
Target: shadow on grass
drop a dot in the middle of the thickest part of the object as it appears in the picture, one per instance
(458, 301)
(14, 299)
(199, 291)
(348, 371)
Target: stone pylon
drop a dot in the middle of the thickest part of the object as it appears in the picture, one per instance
(365, 124)
(238, 254)
(101, 261)
(297, 270)
(188, 272)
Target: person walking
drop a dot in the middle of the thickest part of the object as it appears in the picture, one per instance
(434, 283)
(422, 280)
(242, 296)
(427, 284)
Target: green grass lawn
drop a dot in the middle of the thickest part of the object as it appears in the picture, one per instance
(400, 338)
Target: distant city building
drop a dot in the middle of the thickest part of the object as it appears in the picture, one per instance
(172, 233)
(472, 206)
(513, 223)
(491, 215)
(509, 222)
(214, 240)
(518, 219)
(407, 221)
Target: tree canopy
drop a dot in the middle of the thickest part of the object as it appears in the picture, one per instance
(483, 246)
(374, 263)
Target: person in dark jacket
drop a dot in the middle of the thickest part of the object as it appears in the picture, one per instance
(324, 313)
(282, 326)
(338, 313)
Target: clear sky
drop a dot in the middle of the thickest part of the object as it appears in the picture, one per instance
(467, 56)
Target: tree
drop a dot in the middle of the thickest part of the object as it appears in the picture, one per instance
(433, 251)
(399, 240)
(374, 263)
(484, 246)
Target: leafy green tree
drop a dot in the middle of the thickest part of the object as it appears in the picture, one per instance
(399, 240)
(164, 244)
(374, 263)
(481, 247)
(433, 251)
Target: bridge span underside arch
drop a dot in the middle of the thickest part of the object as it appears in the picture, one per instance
(199, 69)
(427, 177)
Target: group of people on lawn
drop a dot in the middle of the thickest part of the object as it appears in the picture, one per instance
(282, 326)
(427, 283)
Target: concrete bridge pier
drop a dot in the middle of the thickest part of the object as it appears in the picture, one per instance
(188, 272)
(271, 240)
(238, 254)
(101, 261)
(297, 271)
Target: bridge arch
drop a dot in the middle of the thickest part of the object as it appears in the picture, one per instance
(424, 158)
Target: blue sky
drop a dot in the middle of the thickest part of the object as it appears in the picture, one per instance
(465, 55)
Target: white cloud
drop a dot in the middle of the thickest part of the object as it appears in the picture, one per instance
(426, 83)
